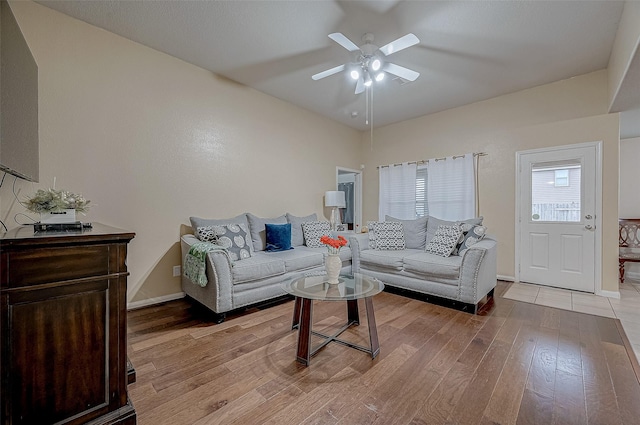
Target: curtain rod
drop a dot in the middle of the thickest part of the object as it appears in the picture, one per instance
(426, 161)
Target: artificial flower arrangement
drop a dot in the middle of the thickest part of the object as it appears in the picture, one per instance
(333, 245)
(52, 200)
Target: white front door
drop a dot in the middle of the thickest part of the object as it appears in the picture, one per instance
(557, 217)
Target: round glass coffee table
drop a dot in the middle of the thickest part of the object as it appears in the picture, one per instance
(350, 288)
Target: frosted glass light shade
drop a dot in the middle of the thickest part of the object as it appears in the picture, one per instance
(334, 198)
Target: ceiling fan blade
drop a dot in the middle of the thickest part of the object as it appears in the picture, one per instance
(340, 38)
(399, 44)
(401, 71)
(360, 85)
(328, 72)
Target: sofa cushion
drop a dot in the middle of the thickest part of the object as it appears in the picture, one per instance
(445, 240)
(389, 235)
(297, 237)
(427, 264)
(433, 223)
(344, 253)
(471, 234)
(313, 231)
(278, 237)
(389, 260)
(415, 231)
(260, 266)
(301, 259)
(235, 239)
(258, 233)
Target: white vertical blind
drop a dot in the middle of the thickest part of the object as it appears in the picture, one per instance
(422, 207)
(398, 191)
(451, 185)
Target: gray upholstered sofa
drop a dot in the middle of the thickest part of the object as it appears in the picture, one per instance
(464, 279)
(233, 284)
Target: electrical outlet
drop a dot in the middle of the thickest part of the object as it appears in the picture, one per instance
(176, 271)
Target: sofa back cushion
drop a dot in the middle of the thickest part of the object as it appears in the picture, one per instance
(297, 236)
(206, 226)
(257, 229)
(415, 231)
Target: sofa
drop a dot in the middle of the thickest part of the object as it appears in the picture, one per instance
(241, 276)
(409, 255)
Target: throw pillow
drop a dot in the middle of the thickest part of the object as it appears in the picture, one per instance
(313, 231)
(297, 237)
(445, 240)
(197, 222)
(471, 234)
(433, 224)
(207, 234)
(235, 239)
(415, 231)
(389, 235)
(278, 237)
(256, 226)
(372, 233)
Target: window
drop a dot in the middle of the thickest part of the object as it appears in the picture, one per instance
(561, 178)
(422, 209)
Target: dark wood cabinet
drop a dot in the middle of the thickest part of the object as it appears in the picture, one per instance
(63, 327)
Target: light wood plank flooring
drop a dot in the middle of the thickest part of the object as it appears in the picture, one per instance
(518, 363)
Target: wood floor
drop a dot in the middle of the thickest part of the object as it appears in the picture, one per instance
(518, 363)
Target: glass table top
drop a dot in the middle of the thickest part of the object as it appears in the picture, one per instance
(350, 287)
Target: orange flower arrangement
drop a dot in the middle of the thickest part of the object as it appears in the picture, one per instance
(333, 245)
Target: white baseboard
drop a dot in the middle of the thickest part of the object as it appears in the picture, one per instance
(157, 300)
(609, 294)
(507, 278)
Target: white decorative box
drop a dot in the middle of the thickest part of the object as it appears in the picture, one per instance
(64, 216)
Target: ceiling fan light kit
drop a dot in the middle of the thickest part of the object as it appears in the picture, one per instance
(369, 65)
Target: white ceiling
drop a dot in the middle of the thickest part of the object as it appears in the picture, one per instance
(468, 51)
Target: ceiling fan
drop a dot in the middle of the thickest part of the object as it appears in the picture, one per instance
(371, 63)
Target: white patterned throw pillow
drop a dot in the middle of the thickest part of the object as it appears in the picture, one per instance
(235, 238)
(372, 233)
(313, 231)
(207, 234)
(471, 234)
(389, 235)
(445, 240)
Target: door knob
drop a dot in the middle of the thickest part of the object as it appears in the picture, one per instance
(589, 227)
(588, 217)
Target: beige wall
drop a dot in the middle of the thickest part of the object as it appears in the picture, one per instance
(152, 140)
(624, 47)
(561, 113)
(629, 178)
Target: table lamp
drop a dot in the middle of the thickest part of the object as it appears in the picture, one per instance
(335, 199)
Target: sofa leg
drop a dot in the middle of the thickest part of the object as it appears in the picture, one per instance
(219, 317)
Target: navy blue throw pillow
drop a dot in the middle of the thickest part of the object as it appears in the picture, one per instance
(278, 237)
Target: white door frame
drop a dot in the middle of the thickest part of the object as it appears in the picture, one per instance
(357, 189)
(598, 210)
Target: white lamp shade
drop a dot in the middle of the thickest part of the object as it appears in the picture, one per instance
(334, 198)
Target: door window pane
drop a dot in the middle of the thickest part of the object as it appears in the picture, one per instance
(556, 191)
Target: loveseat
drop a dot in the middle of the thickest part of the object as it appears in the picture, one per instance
(409, 255)
(240, 276)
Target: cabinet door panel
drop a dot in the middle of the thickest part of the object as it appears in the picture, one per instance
(60, 343)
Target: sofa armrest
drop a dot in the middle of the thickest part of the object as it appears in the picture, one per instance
(357, 242)
(217, 293)
(478, 273)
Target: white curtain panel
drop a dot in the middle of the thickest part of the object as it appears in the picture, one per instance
(398, 191)
(451, 188)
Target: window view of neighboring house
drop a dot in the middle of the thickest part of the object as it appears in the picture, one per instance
(555, 192)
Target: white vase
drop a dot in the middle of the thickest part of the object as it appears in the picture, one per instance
(332, 265)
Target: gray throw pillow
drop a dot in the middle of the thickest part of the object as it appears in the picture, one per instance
(445, 240)
(197, 222)
(389, 235)
(235, 239)
(313, 231)
(471, 234)
(433, 224)
(415, 231)
(257, 229)
(297, 237)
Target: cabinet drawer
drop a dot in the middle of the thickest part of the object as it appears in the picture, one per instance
(54, 264)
